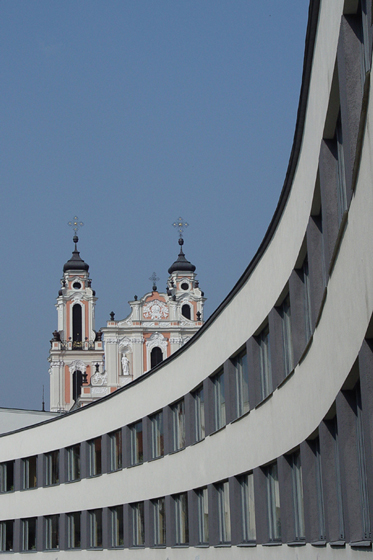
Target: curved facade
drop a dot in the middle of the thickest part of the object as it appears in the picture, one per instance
(254, 439)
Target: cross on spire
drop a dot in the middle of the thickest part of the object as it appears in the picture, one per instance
(154, 278)
(180, 225)
(75, 224)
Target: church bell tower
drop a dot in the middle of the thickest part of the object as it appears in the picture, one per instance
(76, 353)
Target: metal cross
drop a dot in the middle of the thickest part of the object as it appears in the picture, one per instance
(75, 224)
(154, 278)
(180, 225)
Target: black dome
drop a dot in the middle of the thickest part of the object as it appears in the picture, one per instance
(181, 264)
(76, 262)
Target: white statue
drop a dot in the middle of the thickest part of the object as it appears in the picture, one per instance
(125, 365)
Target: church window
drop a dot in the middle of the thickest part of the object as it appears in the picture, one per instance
(156, 356)
(184, 286)
(52, 468)
(77, 384)
(73, 530)
(115, 450)
(29, 534)
(185, 311)
(95, 528)
(7, 476)
(136, 443)
(6, 536)
(178, 424)
(51, 532)
(77, 285)
(94, 449)
(157, 434)
(242, 384)
(77, 326)
(29, 472)
(73, 463)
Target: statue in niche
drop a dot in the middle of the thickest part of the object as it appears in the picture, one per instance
(125, 365)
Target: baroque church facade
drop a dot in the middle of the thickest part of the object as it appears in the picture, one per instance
(86, 364)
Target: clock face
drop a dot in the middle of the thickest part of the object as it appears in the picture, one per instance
(155, 310)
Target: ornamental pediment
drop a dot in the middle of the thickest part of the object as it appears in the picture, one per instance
(155, 310)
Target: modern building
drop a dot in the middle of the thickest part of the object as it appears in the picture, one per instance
(255, 439)
(83, 367)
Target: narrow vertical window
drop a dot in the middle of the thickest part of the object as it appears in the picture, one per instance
(7, 476)
(219, 400)
(6, 536)
(51, 532)
(178, 424)
(95, 528)
(29, 472)
(181, 519)
(338, 482)
(52, 461)
(157, 434)
(242, 384)
(115, 439)
(156, 356)
(363, 481)
(73, 530)
(73, 463)
(319, 491)
(199, 414)
(265, 363)
(159, 522)
(138, 530)
(273, 503)
(77, 384)
(94, 448)
(365, 58)
(306, 299)
(224, 515)
(136, 443)
(185, 311)
(77, 327)
(29, 534)
(248, 508)
(287, 343)
(117, 526)
(341, 174)
(297, 490)
(203, 516)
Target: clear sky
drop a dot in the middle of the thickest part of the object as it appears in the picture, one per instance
(129, 114)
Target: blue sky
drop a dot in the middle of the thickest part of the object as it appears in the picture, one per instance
(130, 114)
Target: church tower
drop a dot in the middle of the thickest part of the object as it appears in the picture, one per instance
(76, 353)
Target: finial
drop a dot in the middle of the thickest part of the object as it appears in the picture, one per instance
(154, 278)
(75, 224)
(112, 315)
(180, 225)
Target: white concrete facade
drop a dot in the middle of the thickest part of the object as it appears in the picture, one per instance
(318, 410)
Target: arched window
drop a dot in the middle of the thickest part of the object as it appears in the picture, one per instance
(77, 384)
(77, 326)
(185, 311)
(156, 356)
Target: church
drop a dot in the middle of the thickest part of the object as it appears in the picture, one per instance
(85, 364)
